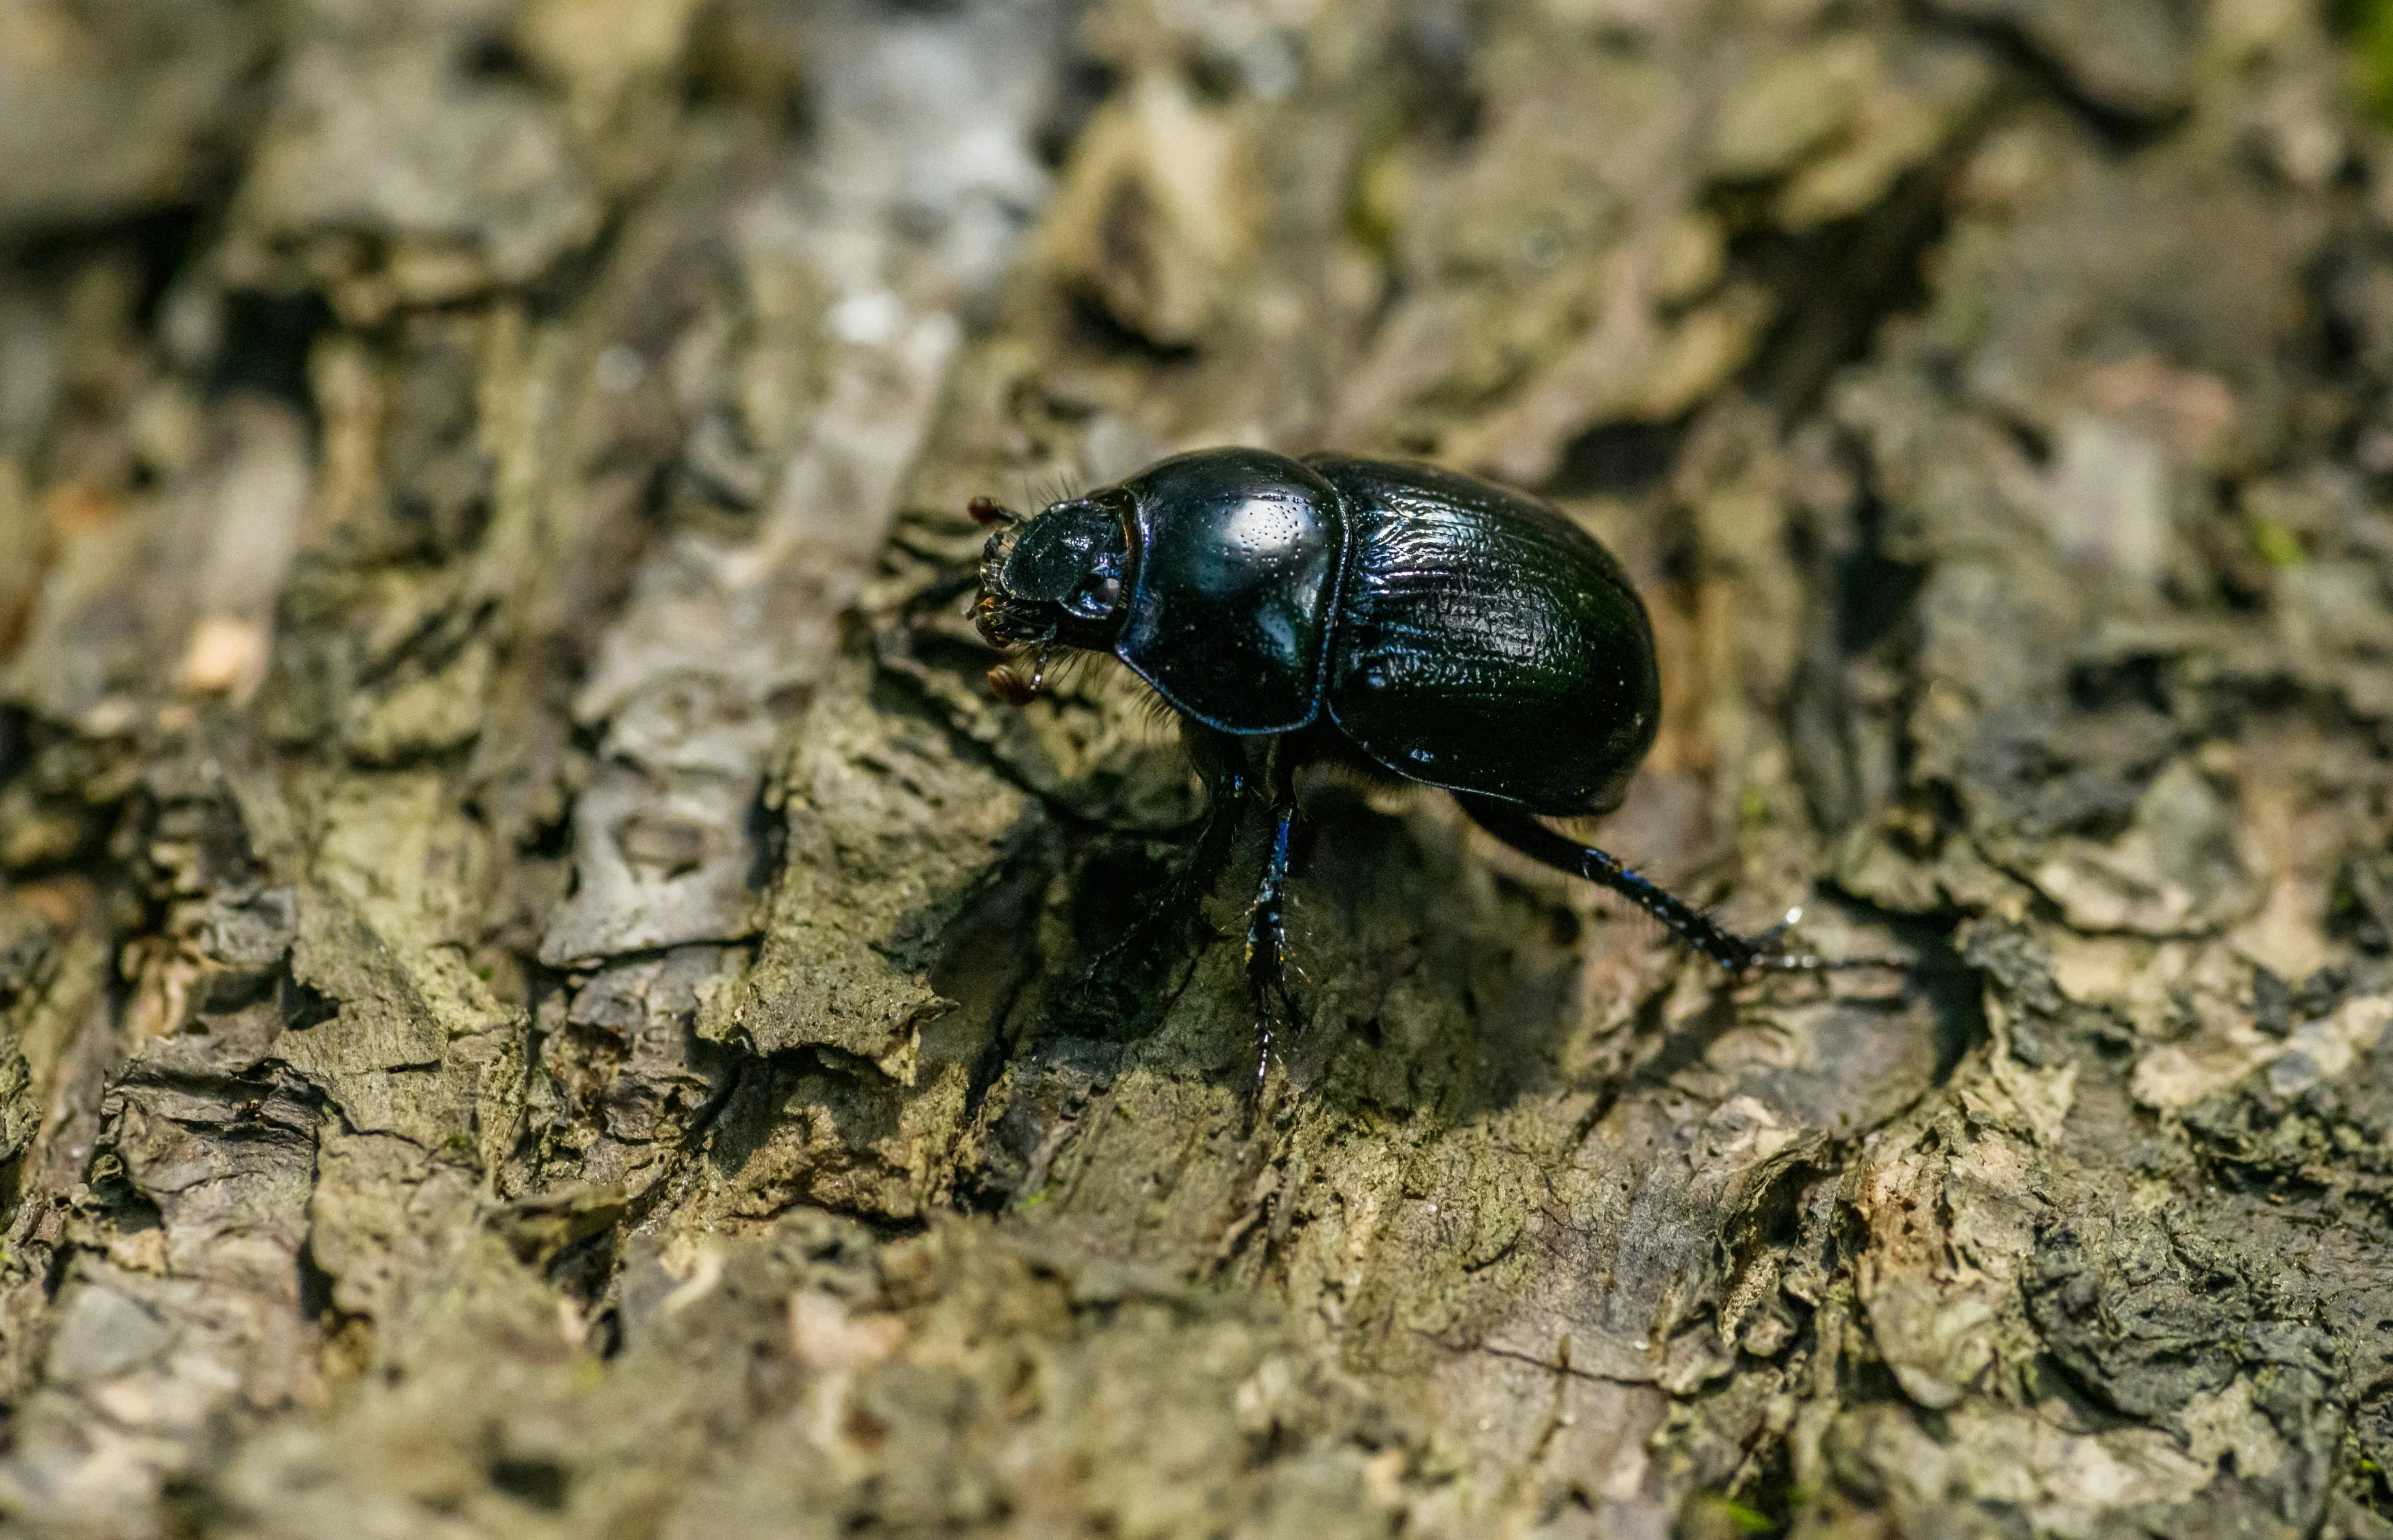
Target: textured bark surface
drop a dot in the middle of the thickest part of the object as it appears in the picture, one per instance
(539, 995)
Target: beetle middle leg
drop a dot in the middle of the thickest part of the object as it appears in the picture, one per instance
(1521, 830)
(1266, 924)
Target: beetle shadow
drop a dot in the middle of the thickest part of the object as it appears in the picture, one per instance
(1427, 981)
(1444, 984)
(1433, 984)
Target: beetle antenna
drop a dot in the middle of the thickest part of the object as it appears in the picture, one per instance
(985, 510)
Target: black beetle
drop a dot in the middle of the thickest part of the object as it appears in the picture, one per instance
(1402, 619)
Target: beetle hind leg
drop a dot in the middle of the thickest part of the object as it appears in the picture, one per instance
(1737, 954)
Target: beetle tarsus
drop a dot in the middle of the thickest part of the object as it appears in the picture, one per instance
(1805, 962)
(1766, 944)
(1767, 958)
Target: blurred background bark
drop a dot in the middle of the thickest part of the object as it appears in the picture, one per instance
(541, 997)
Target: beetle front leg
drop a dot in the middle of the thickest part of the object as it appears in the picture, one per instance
(1266, 923)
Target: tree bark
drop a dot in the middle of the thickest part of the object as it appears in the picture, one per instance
(540, 995)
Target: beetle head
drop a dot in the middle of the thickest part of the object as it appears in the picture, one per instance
(1058, 577)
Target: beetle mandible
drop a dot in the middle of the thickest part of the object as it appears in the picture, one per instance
(1403, 619)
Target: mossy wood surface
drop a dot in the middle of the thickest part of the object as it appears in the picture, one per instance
(541, 996)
